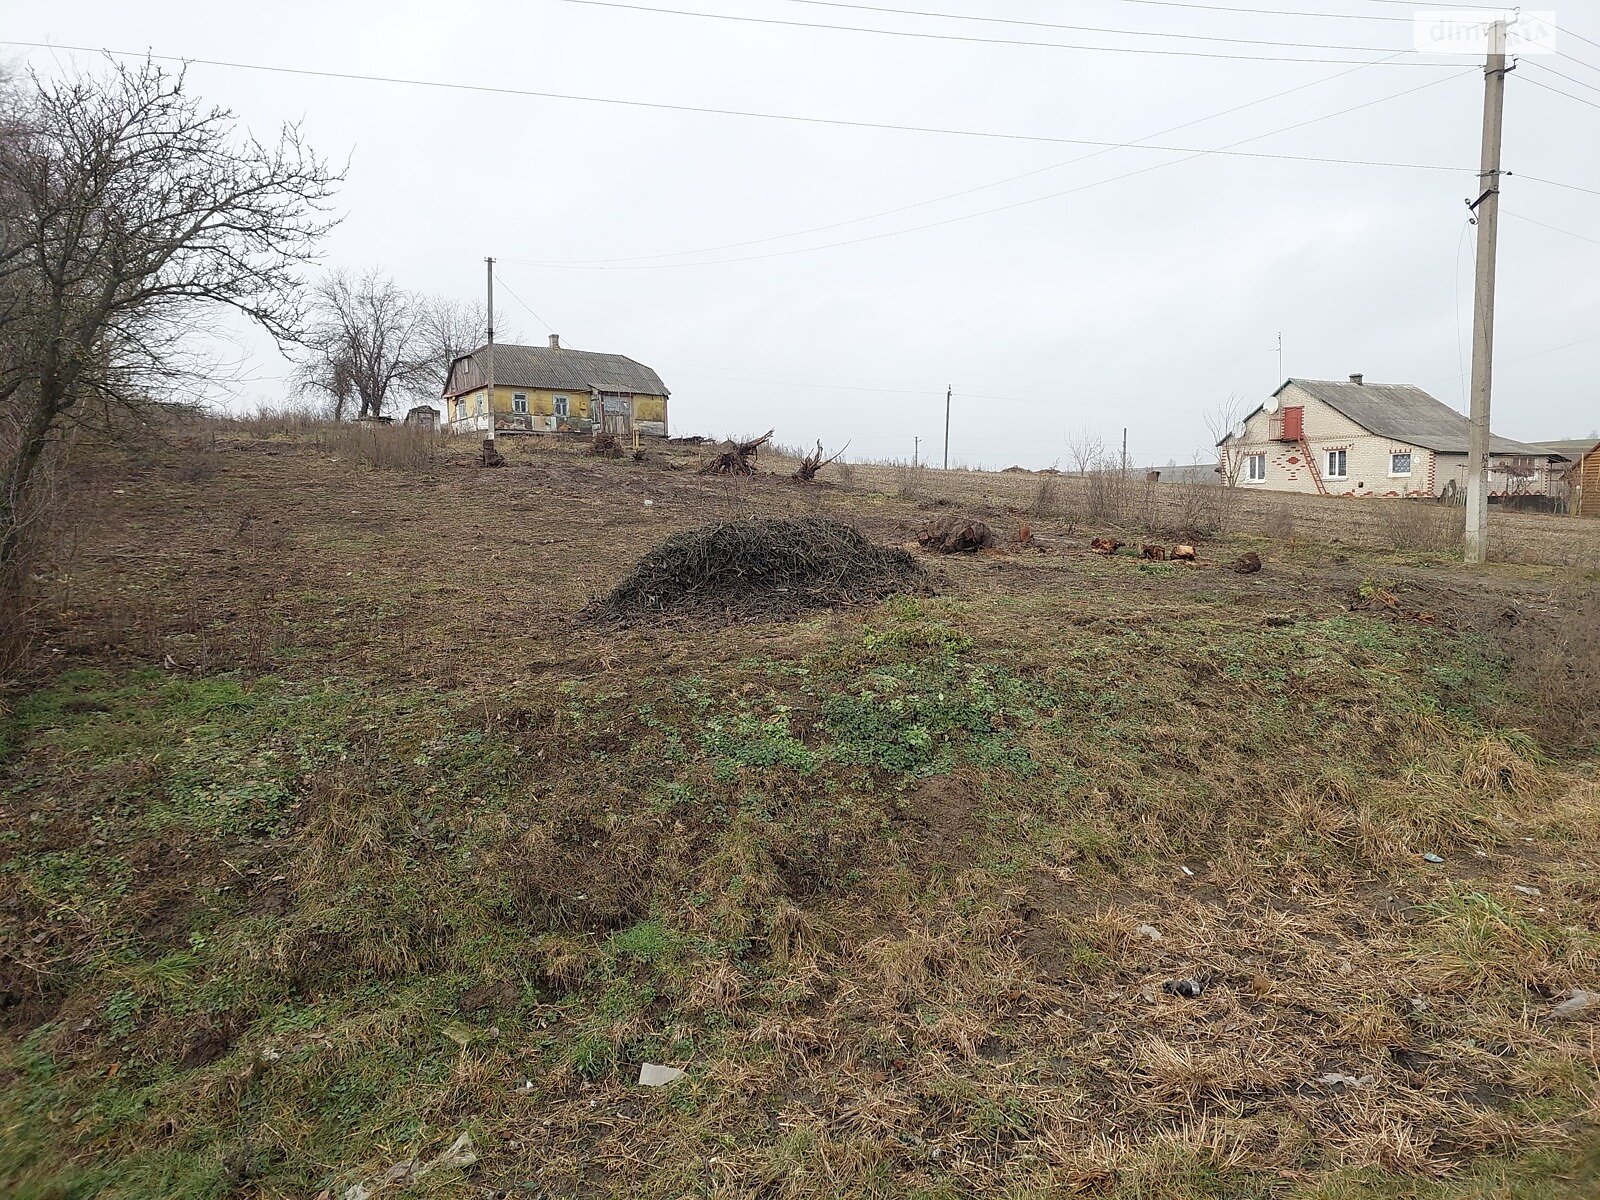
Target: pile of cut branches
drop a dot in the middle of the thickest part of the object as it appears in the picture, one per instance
(736, 458)
(763, 567)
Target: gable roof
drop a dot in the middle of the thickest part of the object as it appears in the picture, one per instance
(560, 369)
(1405, 413)
(1576, 449)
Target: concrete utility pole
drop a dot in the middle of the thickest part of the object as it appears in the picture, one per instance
(1124, 451)
(1487, 207)
(916, 444)
(948, 389)
(489, 350)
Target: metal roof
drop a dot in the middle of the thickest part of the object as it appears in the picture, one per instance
(559, 369)
(1406, 413)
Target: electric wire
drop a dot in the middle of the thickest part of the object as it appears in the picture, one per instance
(1559, 92)
(702, 110)
(1582, 237)
(1189, 156)
(1193, 37)
(950, 37)
(963, 192)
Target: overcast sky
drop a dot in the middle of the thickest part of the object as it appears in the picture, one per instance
(1138, 302)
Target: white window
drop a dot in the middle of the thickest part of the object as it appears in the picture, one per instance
(561, 406)
(1400, 463)
(519, 402)
(1338, 464)
(1255, 468)
(477, 404)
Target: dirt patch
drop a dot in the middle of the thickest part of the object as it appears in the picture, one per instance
(763, 567)
(938, 824)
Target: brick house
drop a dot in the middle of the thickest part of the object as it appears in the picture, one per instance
(1338, 438)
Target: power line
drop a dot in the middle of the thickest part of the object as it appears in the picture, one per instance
(950, 37)
(1553, 228)
(549, 327)
(703, 110)
(1267, 12)
(1561, 74)
(982, 187)
(1193, 37)
(1190, 155)
(1571, 187)
(1559, 92)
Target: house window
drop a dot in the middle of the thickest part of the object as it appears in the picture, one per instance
(1255, 468)
(1400, 463)
(477, 405)
(561, 406)
(519, 402)
(1338, 464)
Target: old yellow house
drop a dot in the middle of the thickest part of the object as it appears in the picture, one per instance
(552, 389)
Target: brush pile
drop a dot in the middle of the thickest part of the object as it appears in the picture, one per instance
(736, 458)
(605, 445)
(763, 567)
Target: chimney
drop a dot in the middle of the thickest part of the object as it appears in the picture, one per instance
(555, 344)
(1355, 379)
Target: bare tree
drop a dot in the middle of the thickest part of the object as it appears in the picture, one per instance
(128, 211)
(1222, 422)
(366, 340)
(450, 329)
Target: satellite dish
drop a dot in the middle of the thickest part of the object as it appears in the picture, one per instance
(1239, 431)
(1272, 405)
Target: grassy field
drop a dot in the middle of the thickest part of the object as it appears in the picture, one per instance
(336, 833)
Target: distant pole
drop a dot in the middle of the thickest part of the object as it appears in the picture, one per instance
(1279, 380)
(1475, 547)
(1124, 451)
(916, 442)
(489, 349)
(948, 389)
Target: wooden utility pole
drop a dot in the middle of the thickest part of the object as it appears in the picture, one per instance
(948, 389)
(1475, 547)
(489, 350)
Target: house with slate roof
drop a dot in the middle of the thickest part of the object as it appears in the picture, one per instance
(1353, 438)
(553, 389)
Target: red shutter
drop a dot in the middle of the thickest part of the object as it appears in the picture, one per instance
(1293, 423)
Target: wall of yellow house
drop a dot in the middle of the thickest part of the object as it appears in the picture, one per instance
(541, 403)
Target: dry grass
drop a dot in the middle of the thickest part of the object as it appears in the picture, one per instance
(876, 878)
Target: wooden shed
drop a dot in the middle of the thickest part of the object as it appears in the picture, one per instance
(1583, 476)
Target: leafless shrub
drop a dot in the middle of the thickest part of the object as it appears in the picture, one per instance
(1565, 672)
(1418, 525)
(387, 447)
(912, 480)
(844, 474)
(292, 419)
(1047, 494)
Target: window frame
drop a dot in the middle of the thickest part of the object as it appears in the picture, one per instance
(1327, 461)
(1250, 462)
(561, 406)
(1411, 463)
(519, 403)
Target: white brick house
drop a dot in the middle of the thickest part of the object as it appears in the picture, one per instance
(1354, 438)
